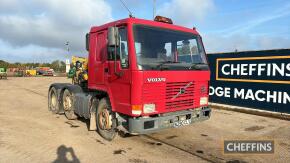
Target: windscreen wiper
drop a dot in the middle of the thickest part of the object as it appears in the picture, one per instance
(166, 62)
(199, 66)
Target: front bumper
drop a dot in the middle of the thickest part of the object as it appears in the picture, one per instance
(145, 125)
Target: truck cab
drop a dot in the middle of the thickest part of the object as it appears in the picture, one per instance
(143, 76)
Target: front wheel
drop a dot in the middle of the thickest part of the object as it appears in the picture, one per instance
(106, 121)
(68, 105)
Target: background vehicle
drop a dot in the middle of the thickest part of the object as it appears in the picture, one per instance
(30, 72)
(42, 70)
(140, 76)
(3, 73)
(48, 73)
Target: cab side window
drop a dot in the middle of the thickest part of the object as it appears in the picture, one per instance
(122, 49)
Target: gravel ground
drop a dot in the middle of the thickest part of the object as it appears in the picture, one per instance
(30, 133)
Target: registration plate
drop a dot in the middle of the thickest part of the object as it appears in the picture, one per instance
(182, 123)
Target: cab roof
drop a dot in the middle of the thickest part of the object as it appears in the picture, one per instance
(143, 22)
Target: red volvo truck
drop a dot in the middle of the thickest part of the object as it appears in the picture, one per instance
(141, 76)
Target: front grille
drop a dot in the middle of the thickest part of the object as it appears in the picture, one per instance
(175, 99)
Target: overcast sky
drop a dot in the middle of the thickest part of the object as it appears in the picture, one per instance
(36, 30)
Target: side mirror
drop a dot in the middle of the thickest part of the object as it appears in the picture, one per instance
(88, 41)
(113, 36)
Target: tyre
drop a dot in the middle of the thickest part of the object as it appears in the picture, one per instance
(53, 104)
(68, 105)
(106, 120)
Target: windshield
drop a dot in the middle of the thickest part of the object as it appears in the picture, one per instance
(159, 48)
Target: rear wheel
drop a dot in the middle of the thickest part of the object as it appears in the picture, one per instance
(53, 104)
(106, 121)
(68, 105)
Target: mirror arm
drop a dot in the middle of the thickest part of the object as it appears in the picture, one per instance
(119, 74)
(115, 62)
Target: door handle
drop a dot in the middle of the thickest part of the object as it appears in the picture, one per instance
(106, 70)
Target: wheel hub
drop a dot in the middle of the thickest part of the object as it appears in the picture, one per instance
(67, 103)
(105, 120)
(53, 100)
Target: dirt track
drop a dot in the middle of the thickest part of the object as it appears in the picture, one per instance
(29, 133)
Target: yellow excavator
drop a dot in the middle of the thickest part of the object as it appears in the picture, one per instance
(78, 70)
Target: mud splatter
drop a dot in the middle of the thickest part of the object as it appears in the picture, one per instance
(171, 137)
(158, 143)
(71, 124)
(99, 141)
(137, 160)
(199, 151)
(254, 128)
(153, 143)
(236, 161)
(119, 151)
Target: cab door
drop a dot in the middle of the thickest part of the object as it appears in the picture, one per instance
(119, 77)
(96, 61)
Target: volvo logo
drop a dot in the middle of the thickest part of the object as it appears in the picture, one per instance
(182, 90)
(151, 80)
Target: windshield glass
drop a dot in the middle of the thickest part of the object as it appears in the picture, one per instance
(159, 48)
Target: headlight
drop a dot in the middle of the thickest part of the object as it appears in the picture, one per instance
(148, 108)
(203, 101)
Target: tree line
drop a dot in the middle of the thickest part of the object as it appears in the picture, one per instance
(57, 65)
